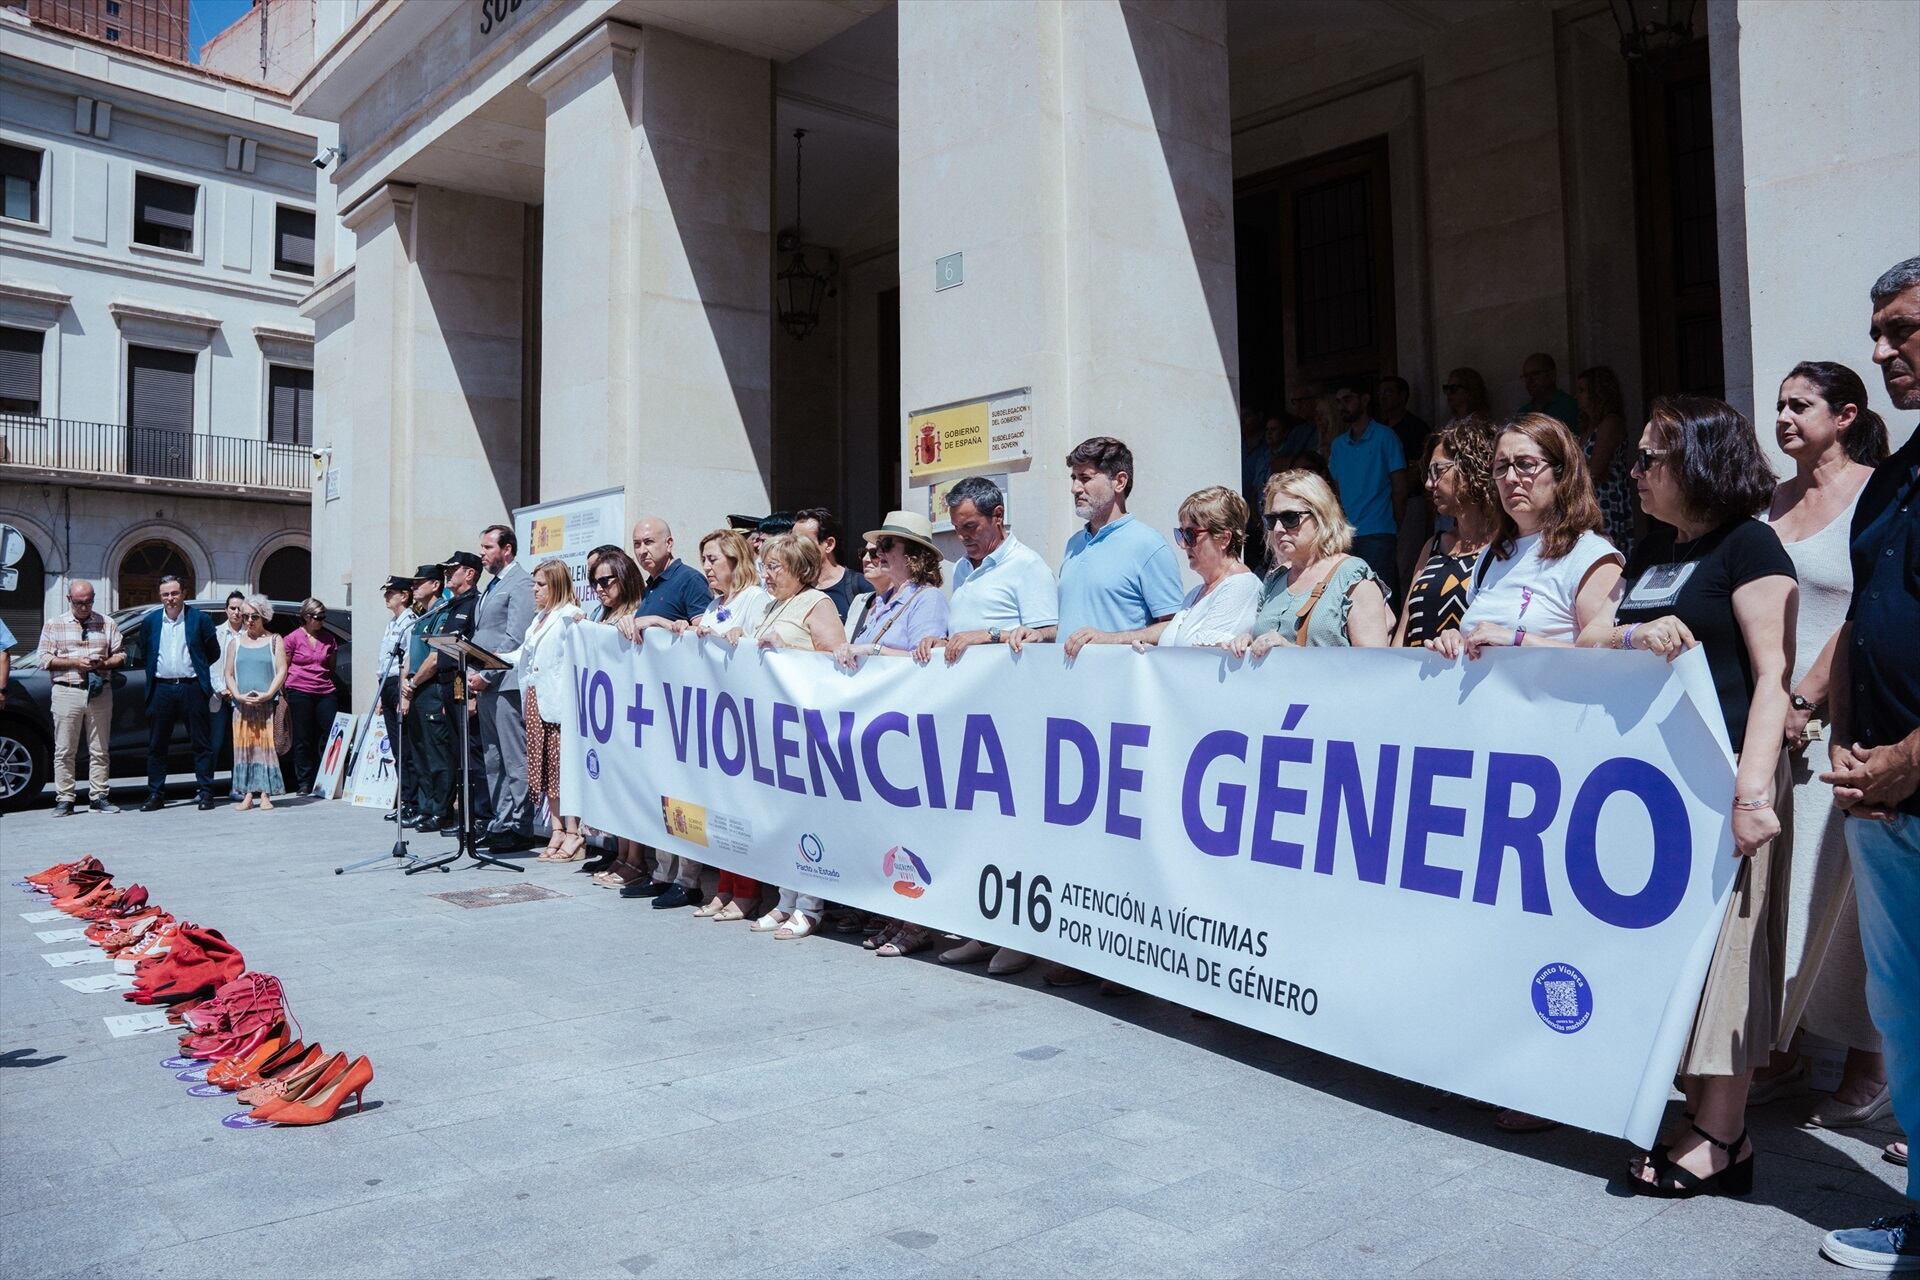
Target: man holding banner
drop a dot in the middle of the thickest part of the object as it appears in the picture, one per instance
(1875, 751)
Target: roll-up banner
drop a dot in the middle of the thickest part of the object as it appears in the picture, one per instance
(1501, 878)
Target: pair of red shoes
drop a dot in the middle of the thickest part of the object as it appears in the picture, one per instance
(294, 1083)
(197, 962)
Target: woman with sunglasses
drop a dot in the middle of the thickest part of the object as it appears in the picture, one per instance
(1459, 484)
(1319, 595)
(802, 617)
(313, 690)
(1710, 574)
(255, 669)
(1548, 572)
(1466, 393)
(1212, 531)
(726, 558)
(906, 606)
(617, 585)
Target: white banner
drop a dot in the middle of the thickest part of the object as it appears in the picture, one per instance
(1501, 878)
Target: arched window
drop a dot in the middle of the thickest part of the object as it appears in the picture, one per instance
(142, 568)
(24, 608)
(287, 574)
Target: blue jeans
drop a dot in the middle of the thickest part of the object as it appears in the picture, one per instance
(1886, 882)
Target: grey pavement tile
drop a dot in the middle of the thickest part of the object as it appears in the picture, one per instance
(580, 1087)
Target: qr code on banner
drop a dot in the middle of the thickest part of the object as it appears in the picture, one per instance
(1563, 999)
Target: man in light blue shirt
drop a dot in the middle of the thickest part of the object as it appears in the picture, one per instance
(1000, 585)
(1370, 470)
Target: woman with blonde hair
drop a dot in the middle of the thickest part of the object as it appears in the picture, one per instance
(1319, 595)
(738, 603)
(801, 617)
(542, 661)
(256, 674)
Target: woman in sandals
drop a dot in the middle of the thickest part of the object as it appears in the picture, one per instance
(542, 660)
(800, 617)
(1712, 575)
(726, 558)
(1318, 595)
(903, 564)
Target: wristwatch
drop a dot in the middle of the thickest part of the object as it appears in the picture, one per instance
(993, 635)
(1801, 704)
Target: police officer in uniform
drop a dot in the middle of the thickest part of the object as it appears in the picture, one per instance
(429, 583)
(433, 697)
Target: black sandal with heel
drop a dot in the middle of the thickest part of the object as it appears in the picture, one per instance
(1673, 1182)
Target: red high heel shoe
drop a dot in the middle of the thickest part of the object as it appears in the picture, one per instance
(304, 1084)
(58, 871)
(289, 1059)
(324, 1103)
(249, 1064)
(287, 1080)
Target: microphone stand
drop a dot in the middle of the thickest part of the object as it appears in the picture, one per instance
(399, 849)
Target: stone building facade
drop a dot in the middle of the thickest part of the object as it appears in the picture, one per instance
(560, 253)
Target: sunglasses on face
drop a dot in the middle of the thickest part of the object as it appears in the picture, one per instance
(1186, 536)
(1525, 468)
(869, 552)
(315, 614)
(604, 581)
(1647, 459)
(1288, 520)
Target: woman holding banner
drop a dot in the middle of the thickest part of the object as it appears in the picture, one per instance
(1459, 479)
(726, 558)
(801, 617)
(1319, 595)
(542, 662)
(1213, 533)
(616, 582)
(1548, 573)
(1714, 576)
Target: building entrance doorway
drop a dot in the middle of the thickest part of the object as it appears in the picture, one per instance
(142, 568)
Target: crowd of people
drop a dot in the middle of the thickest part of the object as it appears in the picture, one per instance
(1556, 527)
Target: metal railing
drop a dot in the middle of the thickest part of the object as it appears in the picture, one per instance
(106, 448)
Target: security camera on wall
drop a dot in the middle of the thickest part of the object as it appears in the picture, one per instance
(328, 156)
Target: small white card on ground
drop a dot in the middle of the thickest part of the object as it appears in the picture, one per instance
(68, 959)
(62, 935)
(136, 1024)
(41, 917)
(95, 983)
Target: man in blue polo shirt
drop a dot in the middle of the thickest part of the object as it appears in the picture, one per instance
(1874, 742)
(1370, 470)
(1117, 575)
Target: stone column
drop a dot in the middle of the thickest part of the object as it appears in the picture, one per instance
(657, 284)
(1816, 189)
(1078, 155)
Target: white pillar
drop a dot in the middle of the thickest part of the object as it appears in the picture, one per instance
(1818, 183)
(656, 251)
(1078, 155)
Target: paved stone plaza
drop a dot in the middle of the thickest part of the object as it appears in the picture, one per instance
(580, 1086)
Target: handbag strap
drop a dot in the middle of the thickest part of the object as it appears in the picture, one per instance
(1306, 610)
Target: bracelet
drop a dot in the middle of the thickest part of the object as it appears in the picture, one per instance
(1519, 636)
(1762, 802)
(1626, 638)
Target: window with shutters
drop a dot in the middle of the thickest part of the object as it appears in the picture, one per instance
(20, 351)
(20, 182)
(160, 412)
(289, 405)
(163, 213)
(293, 241)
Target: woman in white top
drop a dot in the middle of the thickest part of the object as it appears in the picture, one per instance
(1548, 572)
(542, 662)
(800, 617)
(726, 558)
(1213, 533)
(1824, 425)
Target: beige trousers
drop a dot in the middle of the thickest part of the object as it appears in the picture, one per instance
(74, 714)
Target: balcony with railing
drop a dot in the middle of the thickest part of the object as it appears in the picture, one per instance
(106, 454)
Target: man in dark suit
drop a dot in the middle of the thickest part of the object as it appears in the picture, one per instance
(500, 623)
(181, 648)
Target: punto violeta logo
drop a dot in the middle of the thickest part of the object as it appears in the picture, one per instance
(907, 871)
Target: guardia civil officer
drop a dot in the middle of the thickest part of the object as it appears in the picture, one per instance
(431, 693)
(429, 593)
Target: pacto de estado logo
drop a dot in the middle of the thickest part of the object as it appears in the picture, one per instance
(907, 870)
(812, 859)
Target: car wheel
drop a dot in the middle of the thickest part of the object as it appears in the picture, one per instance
(25, 765)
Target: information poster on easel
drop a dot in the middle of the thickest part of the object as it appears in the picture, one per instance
(371, 781)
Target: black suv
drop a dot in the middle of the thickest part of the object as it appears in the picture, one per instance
(26, 722)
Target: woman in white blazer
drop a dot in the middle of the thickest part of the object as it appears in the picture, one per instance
(542, 661)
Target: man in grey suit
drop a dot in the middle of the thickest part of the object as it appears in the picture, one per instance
(500, 624)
